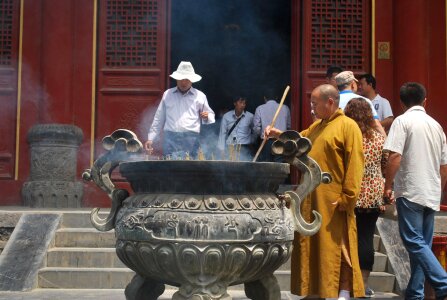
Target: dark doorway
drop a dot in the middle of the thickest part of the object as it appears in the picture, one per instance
(239, 47)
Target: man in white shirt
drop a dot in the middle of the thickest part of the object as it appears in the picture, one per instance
(347, 85)
(367, 88)
(179, 115)
(418, 165)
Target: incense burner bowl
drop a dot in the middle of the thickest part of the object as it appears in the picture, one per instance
(199, 225)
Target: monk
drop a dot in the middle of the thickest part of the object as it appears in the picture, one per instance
(326, 265)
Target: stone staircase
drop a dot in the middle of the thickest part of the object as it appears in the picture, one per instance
(80, 257)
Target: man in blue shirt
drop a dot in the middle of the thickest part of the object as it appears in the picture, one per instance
(236, 134)
(347, 85)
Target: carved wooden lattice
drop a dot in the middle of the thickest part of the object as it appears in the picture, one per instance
(131, 33)
(6, 28)
(338, 29)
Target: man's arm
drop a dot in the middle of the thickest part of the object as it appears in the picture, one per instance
(271, 132)
(376, 125)
(393, 166)
(386, 123)
(157, 125)
(387, 114)
(207, 114)
(253, 135)
(443, 171)
(222, 134)
(257, 122)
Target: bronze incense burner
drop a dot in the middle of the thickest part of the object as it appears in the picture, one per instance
(203, 225)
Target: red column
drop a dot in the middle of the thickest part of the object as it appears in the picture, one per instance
(410, 43)
(420, 51)
(384, 71)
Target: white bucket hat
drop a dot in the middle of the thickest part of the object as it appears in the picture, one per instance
(185, 71)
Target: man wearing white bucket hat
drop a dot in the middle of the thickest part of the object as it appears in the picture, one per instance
(179, 115)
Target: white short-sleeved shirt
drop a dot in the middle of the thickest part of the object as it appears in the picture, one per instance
(383, 107)
(422, 143)
(347, 95)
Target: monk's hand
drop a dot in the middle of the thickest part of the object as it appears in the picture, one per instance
(148, 147)
(267, 131)
(204, 115)
(271, 132)
(339, 207)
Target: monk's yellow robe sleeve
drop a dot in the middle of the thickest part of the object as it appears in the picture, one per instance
(353, 166)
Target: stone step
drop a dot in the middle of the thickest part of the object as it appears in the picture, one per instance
(84, 237)
(376, 242)
(80, 219)
(381, 282)
(380, 262)
(109, 278)
(118, 278)
(84, 278)
(81, 257)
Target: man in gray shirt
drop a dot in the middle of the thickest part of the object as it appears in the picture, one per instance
(263, 117)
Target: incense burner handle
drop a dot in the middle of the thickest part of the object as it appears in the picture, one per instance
(294, 148)
(121, 145)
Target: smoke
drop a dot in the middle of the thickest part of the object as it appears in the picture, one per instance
(238, 47)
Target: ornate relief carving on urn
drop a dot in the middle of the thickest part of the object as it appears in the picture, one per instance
(203, 225)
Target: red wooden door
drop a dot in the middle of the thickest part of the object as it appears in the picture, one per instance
(132, 64)
(334, 32)
(9, 44)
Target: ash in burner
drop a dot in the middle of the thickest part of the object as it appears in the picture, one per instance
(234, 154)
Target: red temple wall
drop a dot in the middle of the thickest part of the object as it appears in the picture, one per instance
(57, 67)
(56, 77)
(416, 30)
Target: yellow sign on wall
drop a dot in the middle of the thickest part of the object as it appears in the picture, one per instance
(383, 50)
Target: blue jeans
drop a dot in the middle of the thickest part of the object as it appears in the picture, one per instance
(178, 143)
(416, 230)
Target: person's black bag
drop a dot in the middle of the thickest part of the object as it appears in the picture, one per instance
(234, 125)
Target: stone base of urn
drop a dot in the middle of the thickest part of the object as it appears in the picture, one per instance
(140, 288)
(59, 194)
(52, 181)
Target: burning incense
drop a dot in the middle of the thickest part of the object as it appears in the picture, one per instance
(200, 155)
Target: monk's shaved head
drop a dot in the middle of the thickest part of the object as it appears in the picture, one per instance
(327, 91)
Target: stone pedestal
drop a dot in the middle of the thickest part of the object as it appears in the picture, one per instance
(52, 181)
